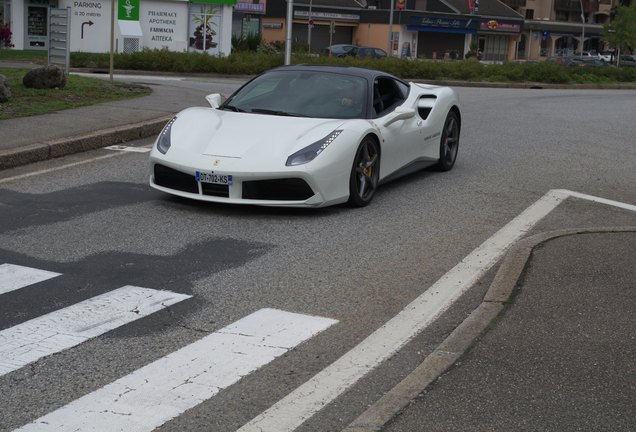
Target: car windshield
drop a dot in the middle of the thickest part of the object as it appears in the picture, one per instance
(302, 94)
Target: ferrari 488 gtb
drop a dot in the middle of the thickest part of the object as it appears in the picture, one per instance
(307, 136)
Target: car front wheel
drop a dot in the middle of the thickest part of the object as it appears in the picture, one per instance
(365, 173)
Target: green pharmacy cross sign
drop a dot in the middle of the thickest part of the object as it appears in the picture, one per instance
(128, 10)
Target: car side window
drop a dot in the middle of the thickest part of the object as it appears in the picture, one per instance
(388, 94)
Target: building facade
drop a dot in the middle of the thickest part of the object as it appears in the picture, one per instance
(175, 25)
(499, 30)
(416, 28)
(559, 27)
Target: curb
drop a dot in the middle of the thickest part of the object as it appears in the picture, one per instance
(465, 335)
(23, 155)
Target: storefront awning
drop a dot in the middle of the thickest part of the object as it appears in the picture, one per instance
(129, 28)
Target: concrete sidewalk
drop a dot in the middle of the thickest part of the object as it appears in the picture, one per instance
(30, 139)
(551, 348)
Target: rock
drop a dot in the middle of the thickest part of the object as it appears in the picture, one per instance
(45, 77)
(5, 91)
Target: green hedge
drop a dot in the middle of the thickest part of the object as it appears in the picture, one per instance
(250, 63)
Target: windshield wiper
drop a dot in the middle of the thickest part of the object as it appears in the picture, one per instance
(232, 108)
(276, 112)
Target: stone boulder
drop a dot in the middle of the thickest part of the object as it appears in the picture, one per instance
(5, 91)
(45, 77)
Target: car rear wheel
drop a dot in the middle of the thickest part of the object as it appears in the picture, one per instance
(449, 144)
(364, 173)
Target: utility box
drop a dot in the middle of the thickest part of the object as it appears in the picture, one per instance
(130, 36)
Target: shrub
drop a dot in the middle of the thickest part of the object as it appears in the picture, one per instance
(248, 62)
(5, 36)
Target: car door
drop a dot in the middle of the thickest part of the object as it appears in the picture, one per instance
(400, 138)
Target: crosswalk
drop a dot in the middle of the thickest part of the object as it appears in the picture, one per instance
(161, 390)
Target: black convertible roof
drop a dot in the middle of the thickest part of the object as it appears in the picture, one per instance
(345, 70)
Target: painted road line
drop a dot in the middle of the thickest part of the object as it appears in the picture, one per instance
(70, 165)
(300, 405)
(13, 277)
(68, 327)
(131, 149)
(58, 168)
(160, 391)
(599, 200)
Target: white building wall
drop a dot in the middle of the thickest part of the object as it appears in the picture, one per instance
(17, 24)
(164, 24)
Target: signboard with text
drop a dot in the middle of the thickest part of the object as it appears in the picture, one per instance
(164, 25)
(128, 10)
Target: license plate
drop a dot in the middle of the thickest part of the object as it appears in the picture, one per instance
(222, 179)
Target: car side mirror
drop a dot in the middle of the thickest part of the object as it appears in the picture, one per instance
(215, 100)
(400, 113)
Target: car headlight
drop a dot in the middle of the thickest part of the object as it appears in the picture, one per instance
(163, 142)
(310, 152)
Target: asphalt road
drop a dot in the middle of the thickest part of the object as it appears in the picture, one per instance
(96, 222)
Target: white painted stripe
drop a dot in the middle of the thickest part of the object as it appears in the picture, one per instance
(62, 167)
(58, 168)
(13, 277)
(162, 390)
(291, 411)
(598, 200)
(68, 327)
(128, 149)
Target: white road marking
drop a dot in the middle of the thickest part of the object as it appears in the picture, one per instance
(70, 165)
(13, 277)
(61, 167)
(297, 407)
(124, 148)
(160, 391)
(597, 199)
(68, 327)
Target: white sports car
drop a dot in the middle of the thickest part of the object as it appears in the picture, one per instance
(307, 136)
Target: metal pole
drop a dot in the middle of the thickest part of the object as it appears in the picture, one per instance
(309, 26)
(112, 38)
(288, 40)
(390, 50)
(582, 27)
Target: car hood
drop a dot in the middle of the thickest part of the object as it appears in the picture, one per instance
(213, 132)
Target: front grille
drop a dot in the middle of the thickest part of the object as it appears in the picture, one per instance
(216, 190)
(292, 189)
(173, 179)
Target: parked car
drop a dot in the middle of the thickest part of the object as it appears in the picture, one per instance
(371, 52)
(586, 62)
(627, 60)
(586, 54)
(608, 56)
(340, 50)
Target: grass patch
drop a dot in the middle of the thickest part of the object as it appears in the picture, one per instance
(37, 57)
(79, 91)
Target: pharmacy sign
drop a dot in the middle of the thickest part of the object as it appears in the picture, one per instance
(128, 10)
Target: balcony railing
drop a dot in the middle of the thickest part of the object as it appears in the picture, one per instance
(589, 6)
(514, 4)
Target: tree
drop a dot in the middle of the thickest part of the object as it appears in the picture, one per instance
(620, 33)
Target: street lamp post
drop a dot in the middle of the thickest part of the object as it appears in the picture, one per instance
(288, 38)
(390, 50)
(582, 27)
